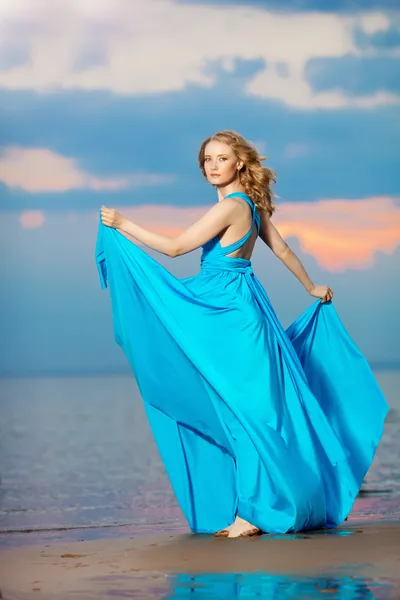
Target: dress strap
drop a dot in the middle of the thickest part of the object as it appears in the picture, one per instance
(243, 196)
(255, 219)
(256, 216)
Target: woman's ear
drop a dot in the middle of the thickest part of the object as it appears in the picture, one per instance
(239, 165)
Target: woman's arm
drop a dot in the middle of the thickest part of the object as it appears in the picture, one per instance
(293, 263)
(211, 224)
(271, 236)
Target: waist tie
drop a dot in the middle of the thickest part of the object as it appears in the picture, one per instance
(235, 265)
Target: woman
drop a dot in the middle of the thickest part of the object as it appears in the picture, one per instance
(260, 430)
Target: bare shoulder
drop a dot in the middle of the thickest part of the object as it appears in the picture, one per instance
(237, 204)
(232, 202)
(230, 206)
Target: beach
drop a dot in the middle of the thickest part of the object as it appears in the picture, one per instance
(357, 560)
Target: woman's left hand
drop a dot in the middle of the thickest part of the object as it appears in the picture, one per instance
(110, 217)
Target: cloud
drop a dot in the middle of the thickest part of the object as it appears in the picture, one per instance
(132, 47)
(42, 170)
(31, 219)
(374, 22)
(343, 234)
(340, 234)
(14, 56)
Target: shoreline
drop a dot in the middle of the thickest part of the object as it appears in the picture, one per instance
(20, 538)
(363, 554)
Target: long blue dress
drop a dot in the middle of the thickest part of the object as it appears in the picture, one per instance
(279, 427)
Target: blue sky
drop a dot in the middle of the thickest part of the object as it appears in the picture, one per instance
(115, 114)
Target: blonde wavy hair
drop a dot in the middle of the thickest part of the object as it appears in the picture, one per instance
(256, 179)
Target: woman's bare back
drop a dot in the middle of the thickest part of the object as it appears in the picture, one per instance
(239, 229)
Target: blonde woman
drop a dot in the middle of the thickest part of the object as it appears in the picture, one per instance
(260, 429)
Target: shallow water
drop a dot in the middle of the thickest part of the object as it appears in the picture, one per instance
(78, 452)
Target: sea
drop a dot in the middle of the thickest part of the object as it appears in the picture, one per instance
(77, 453)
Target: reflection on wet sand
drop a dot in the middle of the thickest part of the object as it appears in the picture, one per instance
(272, 586)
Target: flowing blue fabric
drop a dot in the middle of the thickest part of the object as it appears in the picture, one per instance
(279, 427)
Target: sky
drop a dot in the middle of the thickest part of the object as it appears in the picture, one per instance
(108, 102)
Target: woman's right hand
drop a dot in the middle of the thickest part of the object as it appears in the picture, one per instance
(321, 291)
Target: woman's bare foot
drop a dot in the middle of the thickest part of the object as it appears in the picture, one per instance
(240, 528)
(222, 533)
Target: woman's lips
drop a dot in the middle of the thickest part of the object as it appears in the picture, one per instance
(214, 174)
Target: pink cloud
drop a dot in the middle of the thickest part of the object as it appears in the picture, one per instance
(30, 219)
(339, 233)
(42, 170)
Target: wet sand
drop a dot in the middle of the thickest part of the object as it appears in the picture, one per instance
(168, 565)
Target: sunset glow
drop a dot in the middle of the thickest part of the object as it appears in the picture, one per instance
(338, 233)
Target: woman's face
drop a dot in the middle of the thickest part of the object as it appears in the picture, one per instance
(220, 163)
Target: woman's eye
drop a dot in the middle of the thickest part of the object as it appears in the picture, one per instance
(222, 158)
